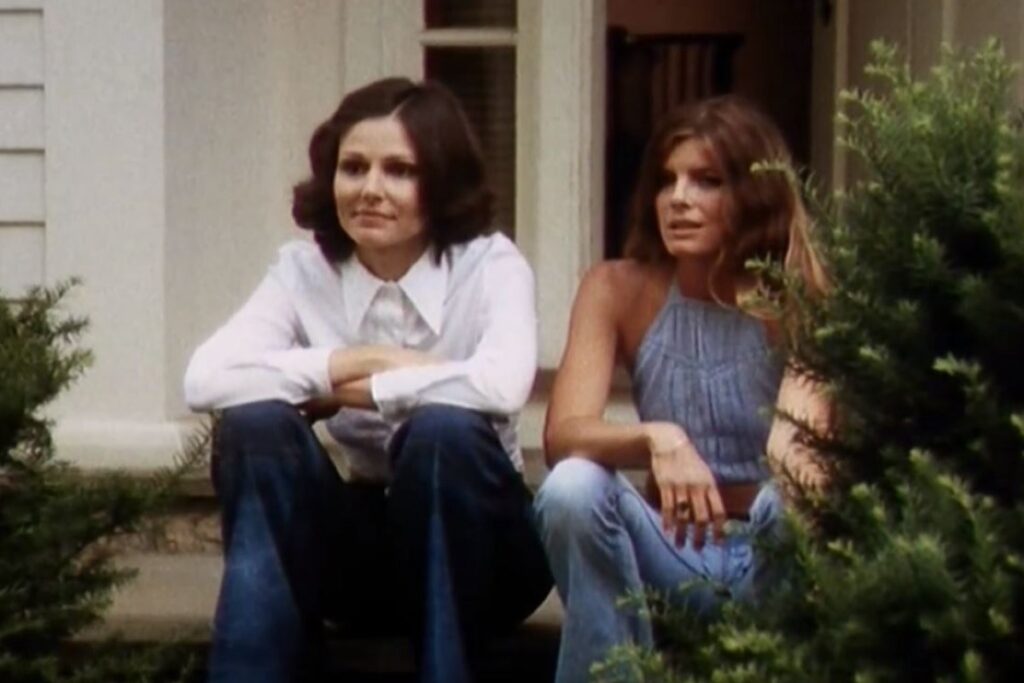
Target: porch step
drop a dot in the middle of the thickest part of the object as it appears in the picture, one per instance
(174, 596)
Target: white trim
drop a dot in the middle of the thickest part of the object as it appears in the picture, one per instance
(468, 37)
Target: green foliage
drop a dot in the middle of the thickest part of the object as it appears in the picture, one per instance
(56, 568)
(911, 567)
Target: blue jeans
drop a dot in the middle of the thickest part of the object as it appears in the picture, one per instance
(447, 554)
(604, 541)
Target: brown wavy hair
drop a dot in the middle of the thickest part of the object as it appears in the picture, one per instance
(455, 199)
(765, 217)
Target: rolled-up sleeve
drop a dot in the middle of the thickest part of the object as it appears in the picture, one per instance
(257, 355)
(496, 378)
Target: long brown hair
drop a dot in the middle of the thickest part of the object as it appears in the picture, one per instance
(764, 215)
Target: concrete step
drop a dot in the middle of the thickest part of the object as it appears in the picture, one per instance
(174, 596)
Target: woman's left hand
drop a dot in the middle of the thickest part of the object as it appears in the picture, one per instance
(688, 491)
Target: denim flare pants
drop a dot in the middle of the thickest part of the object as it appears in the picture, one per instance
(447, 554)
(605, 541)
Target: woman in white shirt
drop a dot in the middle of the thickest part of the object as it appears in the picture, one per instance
(410, 328)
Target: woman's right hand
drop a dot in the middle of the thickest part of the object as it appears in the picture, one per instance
(689, 494)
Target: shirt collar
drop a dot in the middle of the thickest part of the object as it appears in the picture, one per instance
(424, 284)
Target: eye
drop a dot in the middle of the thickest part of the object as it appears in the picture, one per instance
(708, 181)
(352, 166)
(666, 179)
(401, 169)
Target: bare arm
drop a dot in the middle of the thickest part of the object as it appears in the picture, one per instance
(804, 400)
(575, 423)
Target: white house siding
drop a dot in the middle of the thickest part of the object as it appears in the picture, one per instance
(22, 181)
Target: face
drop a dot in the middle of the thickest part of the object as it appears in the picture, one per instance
(376, 191)
(691, 200)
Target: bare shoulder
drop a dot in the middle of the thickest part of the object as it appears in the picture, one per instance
(621, 285)
(616, 282)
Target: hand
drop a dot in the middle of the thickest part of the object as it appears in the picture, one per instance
(316, 409)
(689, 495)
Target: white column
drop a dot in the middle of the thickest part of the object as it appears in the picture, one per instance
(174, 132)
(562, 165)
(105, 181)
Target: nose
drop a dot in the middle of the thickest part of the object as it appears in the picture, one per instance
(681, 192)
(372, 184)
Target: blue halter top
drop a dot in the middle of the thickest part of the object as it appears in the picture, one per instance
(710, 370)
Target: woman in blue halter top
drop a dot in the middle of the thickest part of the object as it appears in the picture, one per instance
(705, 378)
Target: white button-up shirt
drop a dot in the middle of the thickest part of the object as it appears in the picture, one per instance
(475, 309)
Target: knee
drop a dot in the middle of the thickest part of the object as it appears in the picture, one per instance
(258, 421)
(443, 424)
(443, 446)
(570, 499)
(260, 434)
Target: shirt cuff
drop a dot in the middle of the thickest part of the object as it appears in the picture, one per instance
(390, 393)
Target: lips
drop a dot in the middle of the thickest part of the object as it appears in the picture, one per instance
(373, 215)
(683, 225)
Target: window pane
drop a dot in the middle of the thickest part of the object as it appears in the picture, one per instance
(470, 13)
(484, 79)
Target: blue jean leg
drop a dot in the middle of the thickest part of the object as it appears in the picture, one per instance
(604, 541)
(471, 561)
(449, 555)
(279, 496)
